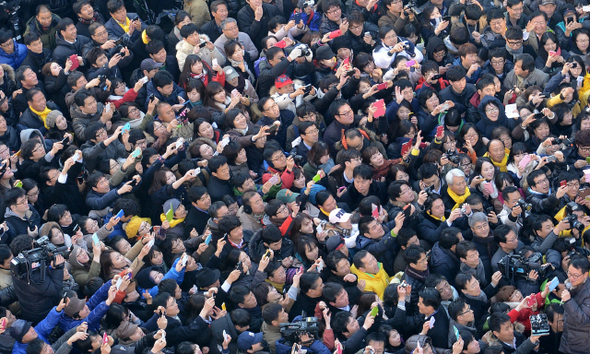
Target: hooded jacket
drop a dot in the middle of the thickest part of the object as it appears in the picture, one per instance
(16, 58)
(64, 49)
(18, 225)
(444, 262)
(485, 125)
(83, 272)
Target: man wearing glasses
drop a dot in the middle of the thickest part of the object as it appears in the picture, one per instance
(577, 154)
(540, 195)
(11, 52)
(576, 303)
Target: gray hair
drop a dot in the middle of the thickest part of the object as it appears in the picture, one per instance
(227, 21)
(477, 217)
(455, 172)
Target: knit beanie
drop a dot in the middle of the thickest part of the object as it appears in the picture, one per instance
(51, 117)
(133, 226)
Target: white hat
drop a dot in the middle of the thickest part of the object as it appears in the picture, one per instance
(339, 215)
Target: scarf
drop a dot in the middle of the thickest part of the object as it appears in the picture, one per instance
(384, 169)
(478, 272)
(515, 53)
(42, 114)
(443, 219)
(89, 22)
(241, 87)
(145, 39)
(459, 199)
(502, 165)
(242, 131)
(481, 297)
(199, 76)
(417, 274)
(174, 222)
(125, 25)
(277, 286)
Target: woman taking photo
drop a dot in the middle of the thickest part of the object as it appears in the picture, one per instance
(551, 58)
(194, 67)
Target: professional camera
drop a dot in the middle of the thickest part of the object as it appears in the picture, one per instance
(566, 141)
(524, 205)
(539, 325)
(298, 160)
(305, 51)
(573, 218)
(9, 17)
(574, 250)
(35, 261)
(413, 7)
(516, 265)
(453, 156)
(292, 331)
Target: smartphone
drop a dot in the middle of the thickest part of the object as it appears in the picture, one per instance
(65, 140)
(274, 180)
(151, 243)
(179, 143)
(552, 53)
(531, 300)
(410, 63)
(18, 184)
(407, 211)
(76, 228)
(586, 8)
(3, 323)
(266, 253)
(307, 88)
(95, 239)
(297, 17)
(151, 97)
(184, 260)
(273, 128)
(368, 34)
(214, 62)
(440, 130)
(569, 20)
(317, 177)
(75, 63)
(406, 147)
(574, 64)
(65, 296)
(374, 311)
(487, 187)
(120, 213)
(349, 73)
(382, 86)
(119, 282)
(553, 284)
(224, 335)
(446, 18)
(525, 161)
(563, 183)
(335, 34)
(208, 239)
(105, 338)
(281, 44)
(551, 158)
(202, 44)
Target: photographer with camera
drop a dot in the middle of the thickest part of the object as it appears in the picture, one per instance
(301, 334)
(513, 209)
(19, 216)
(508, 243)
(540, 194)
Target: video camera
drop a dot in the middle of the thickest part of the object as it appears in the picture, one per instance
(517, 265)
(573, 218)
(574, 250)
(35, 261)
(292, 331)
(411, 5)
(9, 17)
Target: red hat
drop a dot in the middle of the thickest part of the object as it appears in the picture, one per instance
(283, 80)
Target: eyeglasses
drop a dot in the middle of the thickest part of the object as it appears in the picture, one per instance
(331, 12)
(39, 147)
(24, 201)
(491, 110)
(474, 135)
(274, 104)
(497, 62)
(573, 276)
(466, 311)
(584, 148)
(280, 157)
(312, 131)
(7, 44)
(347, 113)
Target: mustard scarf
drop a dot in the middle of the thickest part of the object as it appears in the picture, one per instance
(42, 115)
(459, 199)
(174, 222)
(501, 165)
(144, 37)
(125, 25)
(443, 219)
(277, 286)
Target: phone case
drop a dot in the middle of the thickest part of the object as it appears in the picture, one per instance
(374, 311)
(440, 130)
(95, 239)
(136, 153)
(410, 63)
(120, 213)
(382, 86)
(525, 161)
(380, 108)
(406, 147)
(75, 63)
(554, 283)
(335, 34)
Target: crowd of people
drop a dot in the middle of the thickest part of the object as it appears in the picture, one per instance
(275, 177)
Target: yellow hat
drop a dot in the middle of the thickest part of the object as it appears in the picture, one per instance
(133, 226)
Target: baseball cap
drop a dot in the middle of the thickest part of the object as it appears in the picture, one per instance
(247, 339)
(283, 80)
(150, 64)
(339, 215)
(334, 243)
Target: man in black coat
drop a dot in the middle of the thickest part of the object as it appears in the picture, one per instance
(68, 42)
(37, 55)
(253, 20)
(312, 287)
(459, 91)
(213, 27)
(121, 19)
(198, 214)
(219, 184)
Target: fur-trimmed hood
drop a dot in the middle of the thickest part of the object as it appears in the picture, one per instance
(8, 70)
(492, 340)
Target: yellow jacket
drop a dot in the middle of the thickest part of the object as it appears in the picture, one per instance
(375, 282)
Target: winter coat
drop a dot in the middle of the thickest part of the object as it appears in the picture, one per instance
(257, 248)
(536, 78)
(217, 328)
(382, 249)
(37, 61)
(316, 347)
(486, 126)
(116, 31)
(374, 282)
(81, 120)
(43, 330)
(16, 58)
(171, 99)
(444, 262)
(257, 30)
(576, 321)
(64, 50)
(17, 225)
(184, 49)
(48, 36)
(32, 120)
(199, 11)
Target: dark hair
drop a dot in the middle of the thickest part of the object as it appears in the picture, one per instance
(463, 247)
(430, 297)
(162, 78)
(496, 320)
(413, 253)
(456, 73)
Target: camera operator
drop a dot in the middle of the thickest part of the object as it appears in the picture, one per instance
(306, 339)
(38, 296)
(540, 195)
(512, 213)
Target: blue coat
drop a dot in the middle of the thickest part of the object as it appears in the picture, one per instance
(316, 347)
(15, 59)
(98, 308)
(43, 330)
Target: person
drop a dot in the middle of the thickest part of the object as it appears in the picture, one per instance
(573, 305)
